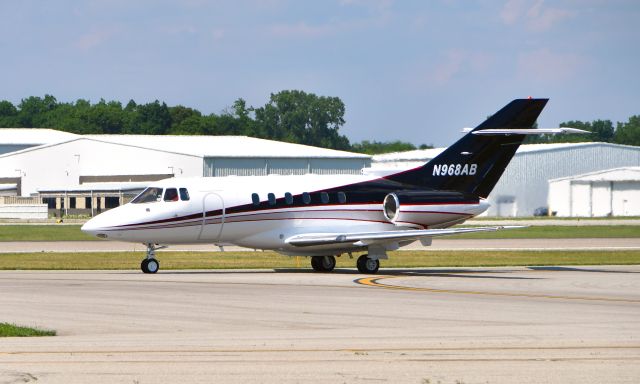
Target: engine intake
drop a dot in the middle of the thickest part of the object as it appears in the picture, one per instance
(411, 202)
(391, 207)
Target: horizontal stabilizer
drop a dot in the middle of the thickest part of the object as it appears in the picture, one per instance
(531, 131)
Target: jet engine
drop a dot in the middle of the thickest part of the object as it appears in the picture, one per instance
(421, 207)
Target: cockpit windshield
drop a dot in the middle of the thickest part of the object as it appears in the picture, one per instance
(149, 195)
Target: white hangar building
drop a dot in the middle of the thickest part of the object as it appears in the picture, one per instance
(524, 186)
(613, 192)
(81, 172)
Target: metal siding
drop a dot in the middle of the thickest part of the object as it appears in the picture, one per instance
(527, 175)
(288, 166)
(8, 148)
(337, 166)
(217, 167)
(238, 167)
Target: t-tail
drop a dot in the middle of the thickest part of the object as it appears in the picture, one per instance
(473, 165)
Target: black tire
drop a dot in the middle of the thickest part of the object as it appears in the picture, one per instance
(328, 263)
(316, 263)
(144, 265)
(323, 263)
(367, 265)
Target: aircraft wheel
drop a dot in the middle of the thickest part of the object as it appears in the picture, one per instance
(367, 265)
(150, 266)
(323, 263)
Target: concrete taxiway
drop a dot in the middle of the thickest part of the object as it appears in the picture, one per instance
(460, 325)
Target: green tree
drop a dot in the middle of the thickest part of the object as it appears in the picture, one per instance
(8, 115)
(185, 121)
(152, 119)
(300, 117)
(628, 133)
(33, 111)
(377, 147)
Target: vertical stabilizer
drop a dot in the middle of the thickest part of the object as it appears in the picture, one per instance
(475, 163)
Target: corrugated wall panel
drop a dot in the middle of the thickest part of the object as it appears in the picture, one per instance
(238, 167)
(217, 167)
(288, 166)
(527, 175)
(337, 166)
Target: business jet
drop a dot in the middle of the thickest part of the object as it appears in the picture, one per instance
(326, 216)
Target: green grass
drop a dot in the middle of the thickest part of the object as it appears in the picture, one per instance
(73, 233)
(557, 232)
(43, 233)
(12, 330)
(543, 218)
(271, 260)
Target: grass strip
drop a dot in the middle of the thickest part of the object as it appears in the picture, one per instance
(73, 233)
(12, 330)
(43, 233)
(558, 232)
(272, 260)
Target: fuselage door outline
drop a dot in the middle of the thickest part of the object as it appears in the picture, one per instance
(212, 198)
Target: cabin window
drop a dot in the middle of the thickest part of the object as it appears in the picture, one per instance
(342, 198)
(306, 198)
(184, 194)
(288, 198)
(324, 197)
(149, 195)
(272, 199)
(171, 194)
(255, 199)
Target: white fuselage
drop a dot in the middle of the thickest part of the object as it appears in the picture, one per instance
(222, 211)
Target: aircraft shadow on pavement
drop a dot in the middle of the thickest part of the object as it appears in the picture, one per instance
(578, 269)
(462, 273)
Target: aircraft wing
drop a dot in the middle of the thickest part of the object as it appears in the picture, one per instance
(368, 238)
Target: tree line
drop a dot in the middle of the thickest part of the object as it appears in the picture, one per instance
(601, 130)
(292, 116)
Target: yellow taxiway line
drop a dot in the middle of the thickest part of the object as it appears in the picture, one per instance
(375, 281)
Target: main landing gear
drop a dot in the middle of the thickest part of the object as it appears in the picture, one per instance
(368, 265)
(328, 263)
(150, 264)
(323, 263)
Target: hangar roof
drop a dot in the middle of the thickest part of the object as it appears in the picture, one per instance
(615, 174)
(200, 146)
(33, 136)
(423, 154)
(225, 146)
(96, 187)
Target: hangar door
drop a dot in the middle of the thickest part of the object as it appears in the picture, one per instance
(581, 199)
(601, 198)
(625, 198)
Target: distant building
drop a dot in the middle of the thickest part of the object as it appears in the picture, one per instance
(612, 192)
(81, 173)
(524, 185)
(15, 139)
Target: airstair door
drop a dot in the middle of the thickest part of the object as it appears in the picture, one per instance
(213, 211)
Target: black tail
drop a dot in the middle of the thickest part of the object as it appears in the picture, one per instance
(474, 163)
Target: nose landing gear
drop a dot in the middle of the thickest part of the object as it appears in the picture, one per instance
(150, 264)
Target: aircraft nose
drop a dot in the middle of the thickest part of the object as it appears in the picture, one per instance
(91, 227)
(98, 225)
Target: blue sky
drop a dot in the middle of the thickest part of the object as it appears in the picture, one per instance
(417, 71)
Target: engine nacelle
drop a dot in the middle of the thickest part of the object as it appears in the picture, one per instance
(426, 208)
